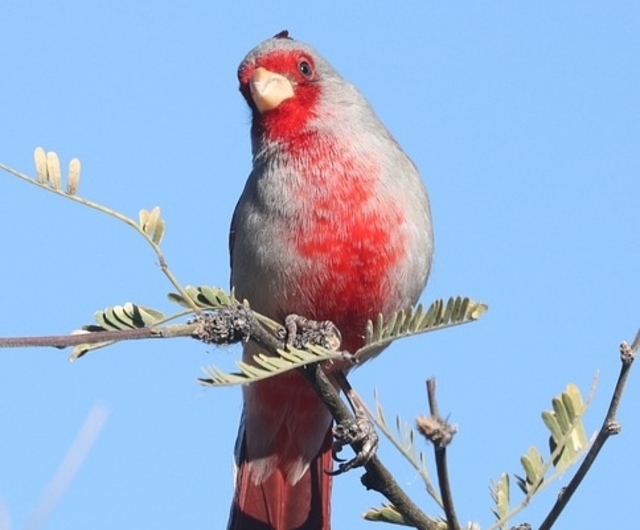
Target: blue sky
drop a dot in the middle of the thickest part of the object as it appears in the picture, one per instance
(524, 119)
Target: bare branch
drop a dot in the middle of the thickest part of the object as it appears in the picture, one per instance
(440, 433)
(63, 341)
(225, 326)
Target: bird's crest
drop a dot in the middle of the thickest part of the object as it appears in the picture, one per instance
(284, 34)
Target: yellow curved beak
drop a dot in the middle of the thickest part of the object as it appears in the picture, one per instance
(269, 89)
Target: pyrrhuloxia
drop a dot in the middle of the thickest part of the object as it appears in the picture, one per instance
(333, 224)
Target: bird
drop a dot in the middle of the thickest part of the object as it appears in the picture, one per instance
(334, 224)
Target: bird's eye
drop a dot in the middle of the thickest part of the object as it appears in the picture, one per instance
(305, 68)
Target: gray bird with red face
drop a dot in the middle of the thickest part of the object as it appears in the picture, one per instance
(333, 224)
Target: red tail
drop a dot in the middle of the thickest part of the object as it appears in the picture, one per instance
(275, 504)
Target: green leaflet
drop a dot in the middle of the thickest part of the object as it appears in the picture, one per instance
(54, 174)
(267, 366)
(416, 320)
(40, 159)
(119, 317)
(73, 178)
(405, 442)
(567, 443)
(534, 468)
(127, 316)
(385, 514)
(568, 437)
(204, 297)
(500, 496)
(151, 224)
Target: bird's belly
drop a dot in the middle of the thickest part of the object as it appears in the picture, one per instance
(350, 271)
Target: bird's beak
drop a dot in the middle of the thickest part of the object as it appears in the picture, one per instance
(269, 89)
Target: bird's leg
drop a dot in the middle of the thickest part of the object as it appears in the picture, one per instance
(301, 331)
(359, 430)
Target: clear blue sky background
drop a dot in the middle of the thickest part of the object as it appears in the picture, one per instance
(524, 119)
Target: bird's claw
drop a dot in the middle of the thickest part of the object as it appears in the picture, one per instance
(301, 331)
(359, 431)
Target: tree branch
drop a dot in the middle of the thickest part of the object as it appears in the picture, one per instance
(224, 326)
(236, 324)
(377, 477)
(610, 426)
(94, 337)
(435, 429)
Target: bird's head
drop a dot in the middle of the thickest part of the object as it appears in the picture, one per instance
(283, 82)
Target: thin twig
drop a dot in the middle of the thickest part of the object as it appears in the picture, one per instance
(117, 215)
(440, 451)
(261, 330)
(63, 341)
(223, 326)
(410, 455)
(610, 426)
(377, 477)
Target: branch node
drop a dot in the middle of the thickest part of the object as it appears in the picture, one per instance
(613, 427)
(369, 482)
(627, 354)
(226, 326)
(436, 430)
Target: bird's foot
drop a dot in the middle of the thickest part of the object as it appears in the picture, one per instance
(359, 431)
(301, 331)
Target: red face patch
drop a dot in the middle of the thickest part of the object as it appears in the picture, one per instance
(291, 116)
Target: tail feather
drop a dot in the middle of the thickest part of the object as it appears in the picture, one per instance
(275, 504)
